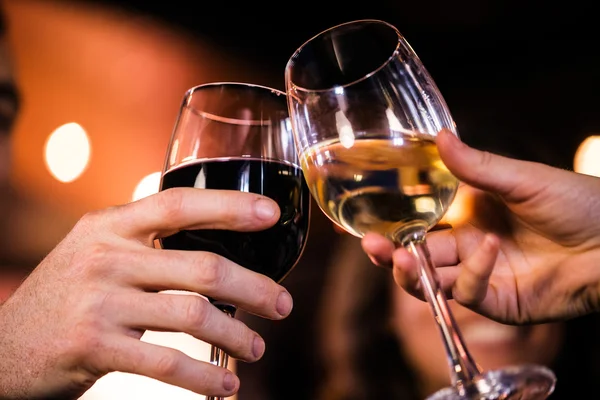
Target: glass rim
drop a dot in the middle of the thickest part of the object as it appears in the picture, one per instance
(396, 50)
(235, 85)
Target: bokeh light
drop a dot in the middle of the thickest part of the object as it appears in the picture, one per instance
(67, 152)
(461, 209)
(147, 186)
(587, 156)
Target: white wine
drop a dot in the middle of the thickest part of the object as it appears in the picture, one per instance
(383, 185)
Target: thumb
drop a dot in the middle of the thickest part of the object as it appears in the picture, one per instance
(487, 171)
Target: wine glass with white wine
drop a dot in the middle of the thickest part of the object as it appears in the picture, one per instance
(365, 114)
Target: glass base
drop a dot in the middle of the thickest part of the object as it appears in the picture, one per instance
(524, 382)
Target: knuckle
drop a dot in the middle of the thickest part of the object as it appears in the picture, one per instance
(94, 223)
(486, 158)
(236, 207)
(209, 270)
(93, 215)
(242, 341)
(460, 297)
(88, 220)
(169, 203)
(85, 340)
(92, 259)
(265, 294)
(465, 294)
(196, 313)
(167, 363)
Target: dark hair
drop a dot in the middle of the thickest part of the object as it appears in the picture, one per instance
(363, 359)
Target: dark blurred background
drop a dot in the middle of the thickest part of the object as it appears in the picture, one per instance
(522, 71)
(521, 78)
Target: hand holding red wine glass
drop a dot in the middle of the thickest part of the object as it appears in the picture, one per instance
(238, 137)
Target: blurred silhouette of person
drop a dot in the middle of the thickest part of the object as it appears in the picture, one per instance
(527, 256)
(9, 107)
(380, 342)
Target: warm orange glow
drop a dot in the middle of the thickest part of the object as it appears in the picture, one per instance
(461, 209)
(587, 157)
(121, 76)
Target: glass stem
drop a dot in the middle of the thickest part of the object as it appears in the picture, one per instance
(217, 356)
(462, 366)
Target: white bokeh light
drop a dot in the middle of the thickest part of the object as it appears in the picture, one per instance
(147, 186)
(587, 157)
(67, 152)
(345, 131)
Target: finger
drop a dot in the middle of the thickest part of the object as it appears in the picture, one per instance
(379, 249)
(165, 364)
(471, 284)
(443, 252)
(210, 275)
(192, 314)
(172, 210)
(406, 275)
(491, 172)
(443, 247)
(406, 272)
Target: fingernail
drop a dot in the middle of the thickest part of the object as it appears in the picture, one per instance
(264, 209)
(229, 381)
(381, 264)
(284, 304)
(258, 347)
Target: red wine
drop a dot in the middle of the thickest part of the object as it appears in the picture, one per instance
(272, 252)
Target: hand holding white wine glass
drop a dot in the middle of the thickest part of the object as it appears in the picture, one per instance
(365, 114)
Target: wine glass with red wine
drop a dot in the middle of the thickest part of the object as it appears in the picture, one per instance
(237, 136)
